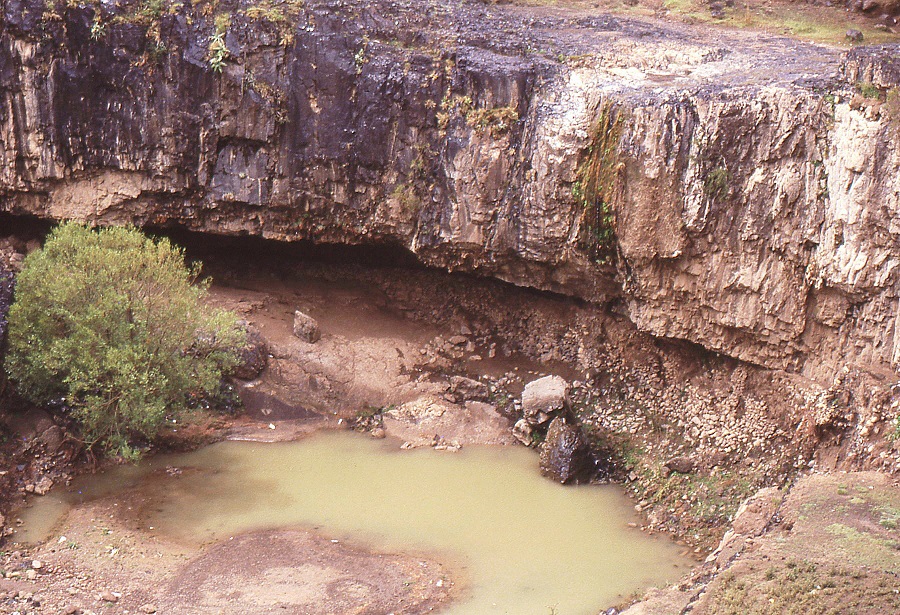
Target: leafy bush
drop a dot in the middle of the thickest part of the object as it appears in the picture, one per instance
(112, 322)
(6, 290)
(715, 185)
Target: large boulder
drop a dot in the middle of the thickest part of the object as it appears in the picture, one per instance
(253, 356)
(544, 399)
(467, 389)
(565, 454)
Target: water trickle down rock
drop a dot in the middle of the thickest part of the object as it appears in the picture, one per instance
(565, 453)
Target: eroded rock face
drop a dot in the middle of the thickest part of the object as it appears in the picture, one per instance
(754, 200)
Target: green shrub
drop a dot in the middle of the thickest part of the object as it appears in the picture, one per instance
(870, 91)
(112, 322)
(715, 185)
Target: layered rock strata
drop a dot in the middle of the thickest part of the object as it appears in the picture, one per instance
(747, 199)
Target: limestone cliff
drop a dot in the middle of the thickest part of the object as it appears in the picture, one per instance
(753, 199)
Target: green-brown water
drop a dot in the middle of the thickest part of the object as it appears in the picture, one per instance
(526, 545)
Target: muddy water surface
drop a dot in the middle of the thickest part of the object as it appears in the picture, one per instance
(520, 544)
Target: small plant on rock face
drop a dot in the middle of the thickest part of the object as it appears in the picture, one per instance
(868, 90)
(595, 185)
(715, 185)
(112, 322)
(98, 28)
(218, 52)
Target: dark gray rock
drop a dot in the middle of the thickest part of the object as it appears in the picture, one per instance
(682, 465)
(854, 35)
(253, 356)
(565, 453)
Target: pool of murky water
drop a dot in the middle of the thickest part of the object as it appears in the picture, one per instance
(520, 543)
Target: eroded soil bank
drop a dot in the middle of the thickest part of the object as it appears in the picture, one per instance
(691, 433)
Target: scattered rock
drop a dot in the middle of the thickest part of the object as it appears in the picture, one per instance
(306, 327)
(70, 609)
(31, 574)
(43, 485)
(681, 465)
(253, 356)
(468, 389)
(37, 564)
(544, 398)
(378, 433)
(147, 608)
(522, 432)
(565, 454)
(854, 36)
(458, 340)
(109, 596)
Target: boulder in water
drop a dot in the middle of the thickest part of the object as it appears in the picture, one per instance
(565, 454)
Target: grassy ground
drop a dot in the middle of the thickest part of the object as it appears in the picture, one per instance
(796, 19)
(837, 551)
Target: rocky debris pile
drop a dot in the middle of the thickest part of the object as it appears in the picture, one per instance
(445, 353)
(306, 327)
(40, 454)
(547, 419)
(13, 251)
(53, 585)
(542, 400)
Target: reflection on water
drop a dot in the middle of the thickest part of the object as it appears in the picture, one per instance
(527, 545)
